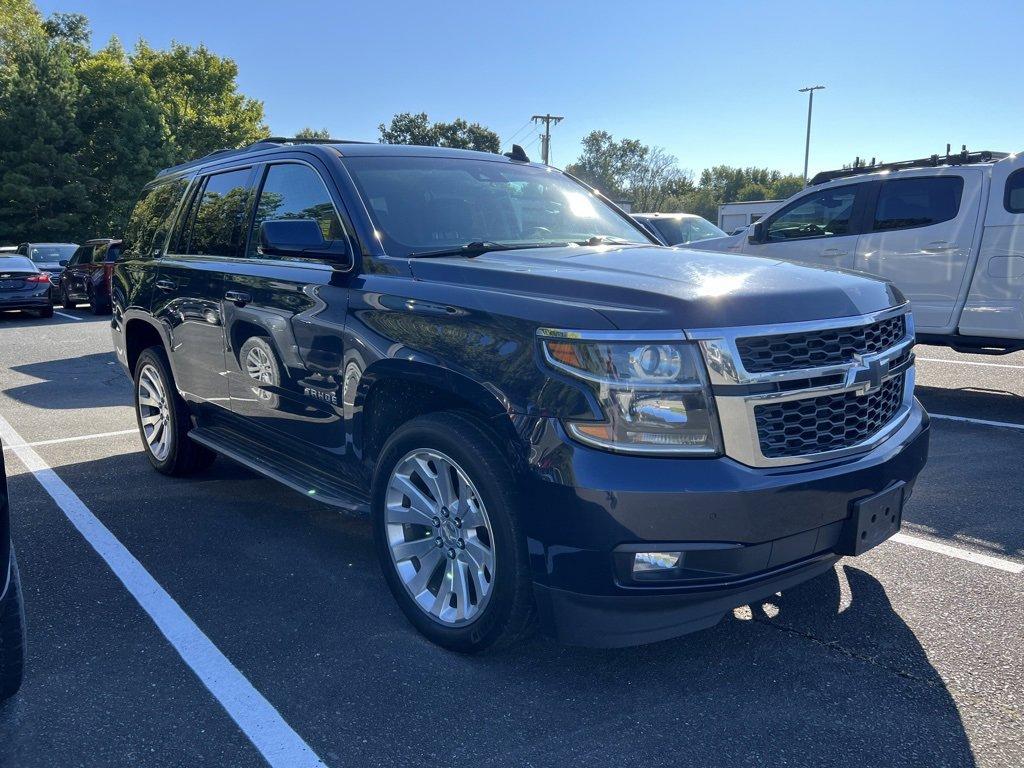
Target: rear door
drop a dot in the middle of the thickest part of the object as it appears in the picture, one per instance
(190, 284)
(73, 277)
(284, 316)
(995, 303)
(920, 235)
(821, 228)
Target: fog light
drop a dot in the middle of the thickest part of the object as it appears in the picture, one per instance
(646, 562)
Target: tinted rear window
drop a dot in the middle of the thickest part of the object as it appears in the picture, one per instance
(905, 203)
(218, 219)
(1014, 200)
(17, 264)
(150, 221)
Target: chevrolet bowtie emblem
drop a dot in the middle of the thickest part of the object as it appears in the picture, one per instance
(868, 373)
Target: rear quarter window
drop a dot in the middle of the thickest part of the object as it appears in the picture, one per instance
(918, 202)
(1013, 200)
(152, 218)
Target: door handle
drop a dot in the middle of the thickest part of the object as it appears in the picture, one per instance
(833, 252)
(939, 246)
(166, 285)
(238, 298)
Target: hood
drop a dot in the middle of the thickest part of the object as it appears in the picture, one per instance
(644, 288)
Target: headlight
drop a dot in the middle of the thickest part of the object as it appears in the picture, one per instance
(653, 394)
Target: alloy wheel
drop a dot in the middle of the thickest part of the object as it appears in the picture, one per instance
(154, 412)
(260, 368)
(440, 537)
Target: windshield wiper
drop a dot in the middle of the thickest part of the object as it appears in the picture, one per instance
(469, 250)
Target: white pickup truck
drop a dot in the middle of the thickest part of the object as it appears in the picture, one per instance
(947, 230)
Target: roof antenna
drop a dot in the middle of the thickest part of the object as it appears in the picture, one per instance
(518, 154)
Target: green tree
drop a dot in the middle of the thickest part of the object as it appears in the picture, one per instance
(648, 176)
(199, 99)
(43, 191)
(126, 140)
(313, 133)
(408, 128)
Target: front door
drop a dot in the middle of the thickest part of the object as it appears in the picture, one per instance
(190, 285)
(819, 228)
(920, 235)
(284, 318)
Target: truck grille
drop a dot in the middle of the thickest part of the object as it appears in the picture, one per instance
(828, 423)
(791, 351)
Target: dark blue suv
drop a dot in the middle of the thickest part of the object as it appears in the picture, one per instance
(547, 415)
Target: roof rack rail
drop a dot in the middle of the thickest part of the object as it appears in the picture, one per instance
(963, 157)
(268, 143)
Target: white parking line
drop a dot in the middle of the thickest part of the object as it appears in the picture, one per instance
(65, 314)
(75, 439)
(967, 362)
(961, 554)
(982, 422)
(279, 744)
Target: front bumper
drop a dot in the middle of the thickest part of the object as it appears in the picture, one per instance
(746, 532)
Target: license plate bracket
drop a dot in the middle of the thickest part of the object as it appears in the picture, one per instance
(873, 520)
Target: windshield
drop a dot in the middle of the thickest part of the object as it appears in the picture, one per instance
(686, 229)
(51, 254)
(421, 204)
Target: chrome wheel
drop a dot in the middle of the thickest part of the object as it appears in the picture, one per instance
(260, 368)
(440, 538)
(154, 412)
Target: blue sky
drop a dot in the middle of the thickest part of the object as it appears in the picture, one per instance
(711, 82)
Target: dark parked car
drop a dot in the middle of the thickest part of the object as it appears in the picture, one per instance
(49, 257)
(547, 416)
(23, 286)
(678, 228)
(86, 278)
(12, 611)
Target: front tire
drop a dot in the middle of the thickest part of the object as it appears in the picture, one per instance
(163, 419)
(447, 533)
(12, 636)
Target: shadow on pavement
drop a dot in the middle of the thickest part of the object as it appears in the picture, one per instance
(88, 381)
(992, 404)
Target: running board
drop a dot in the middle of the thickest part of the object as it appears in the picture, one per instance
(311, 482)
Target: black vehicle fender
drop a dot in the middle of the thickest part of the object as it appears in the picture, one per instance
(449, 390)
(139, 330)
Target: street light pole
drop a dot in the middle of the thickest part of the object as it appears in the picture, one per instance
(809, 90)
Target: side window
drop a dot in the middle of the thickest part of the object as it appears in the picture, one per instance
(151, 219)
(906, 203)
(827, 213)
(81, 256)
(293, 191)
(23, 249)
(219, 214)
(1013, 201)
(99, 254)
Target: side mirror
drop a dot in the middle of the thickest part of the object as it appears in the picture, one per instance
(63, 262)
(300, 238)
(756, 233)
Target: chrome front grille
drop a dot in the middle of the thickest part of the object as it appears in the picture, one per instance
(788, 351)
(804, 392)
(827, 423)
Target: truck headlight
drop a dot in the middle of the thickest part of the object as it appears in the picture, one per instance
(653, 394)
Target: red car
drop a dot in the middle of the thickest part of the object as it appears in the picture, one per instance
(86, 277)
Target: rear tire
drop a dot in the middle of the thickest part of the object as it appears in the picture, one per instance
(479, 608)
(163, 419)
(12, 636)
(66, 300)
(95, 305)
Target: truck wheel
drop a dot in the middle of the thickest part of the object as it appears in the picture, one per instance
(96, 305)
(65, 299)
(447, 534)
(163, 419)
(260, 362)
(12, 636)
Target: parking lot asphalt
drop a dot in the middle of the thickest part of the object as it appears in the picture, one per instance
(902, 657)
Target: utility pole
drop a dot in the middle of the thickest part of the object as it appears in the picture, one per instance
(809, 90)
(545, 140)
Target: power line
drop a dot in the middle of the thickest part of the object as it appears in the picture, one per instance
(545, 147)
(519, 131)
